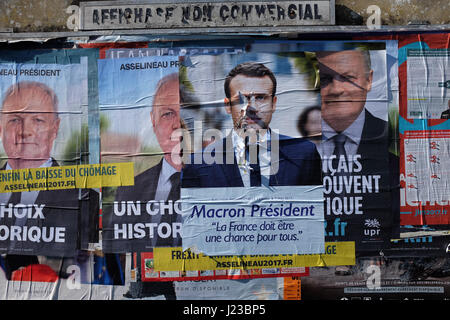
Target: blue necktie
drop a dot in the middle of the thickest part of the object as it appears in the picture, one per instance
(339, 149)
(174, 195)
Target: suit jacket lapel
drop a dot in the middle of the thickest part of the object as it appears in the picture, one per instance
(273, 180)
(150, 182)
(44, 195)
(372, 135)
(281, 157)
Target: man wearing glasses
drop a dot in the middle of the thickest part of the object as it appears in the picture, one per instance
(253, 154)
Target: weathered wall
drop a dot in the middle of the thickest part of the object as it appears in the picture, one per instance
(34, 15)
(51, 15)
(394, 12)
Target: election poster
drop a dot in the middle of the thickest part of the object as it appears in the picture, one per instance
(424, 131)
(43, 109)
(236, 225)
(252, 184)
(354, 148)
(49, 188)
(139, 119)
(139, 104)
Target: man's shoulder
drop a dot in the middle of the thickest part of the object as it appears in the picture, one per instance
(289, 140)
(374, 127)
(296, 145)
(375, 124)
(215, 150)
(148, 174)
(371, 118)
(144, 182)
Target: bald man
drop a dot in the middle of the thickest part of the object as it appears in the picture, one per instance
(159, 183)
(29, 125)
(356, 142)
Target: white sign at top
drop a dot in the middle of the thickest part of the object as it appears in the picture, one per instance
(101, 15)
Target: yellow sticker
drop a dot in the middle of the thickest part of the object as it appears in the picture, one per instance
(175, 259)
(67, 177)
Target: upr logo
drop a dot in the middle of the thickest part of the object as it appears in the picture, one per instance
(372, 227)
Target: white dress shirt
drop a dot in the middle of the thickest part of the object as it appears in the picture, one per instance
(164, 184)
(263, 155)
(353, 134)
(163, 189)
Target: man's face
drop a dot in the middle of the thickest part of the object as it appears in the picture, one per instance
(251, 103)
(344, 83)
(166, 116)
(28, 125)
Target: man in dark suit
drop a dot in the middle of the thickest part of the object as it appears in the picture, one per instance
(253, 154)
(28, 127)
(159, 184)
(355, 146)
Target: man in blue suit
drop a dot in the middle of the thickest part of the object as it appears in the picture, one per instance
(253, 154)
(355, 145)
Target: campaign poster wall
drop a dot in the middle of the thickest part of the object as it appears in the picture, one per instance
(145, 159)
(415, 265)
(295, 225)
(351, 192)
(53, 228)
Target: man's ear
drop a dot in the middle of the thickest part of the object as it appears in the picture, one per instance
(274, 103)
(152, 119)
(227, 104)
(56, 123)
(369, 80)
